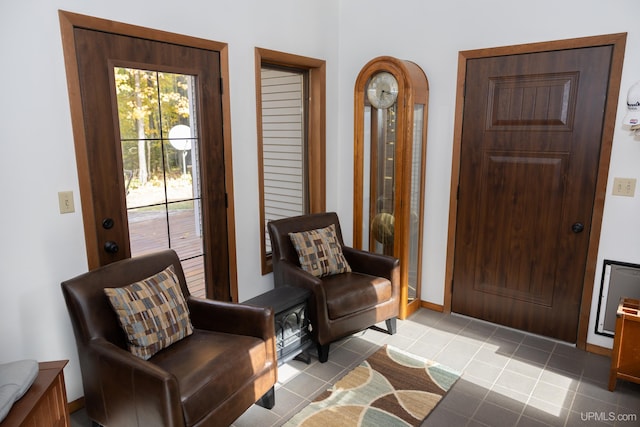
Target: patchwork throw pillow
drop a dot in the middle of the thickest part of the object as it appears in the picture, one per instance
(319, 251)
(152, 312)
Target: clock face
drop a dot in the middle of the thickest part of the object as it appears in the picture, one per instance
(382, 90)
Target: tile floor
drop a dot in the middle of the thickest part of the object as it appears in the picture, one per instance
(509, 378)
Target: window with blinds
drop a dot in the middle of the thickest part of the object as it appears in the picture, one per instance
(291, 120)
(283, 145)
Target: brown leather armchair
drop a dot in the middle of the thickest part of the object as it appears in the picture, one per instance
(208, 378)
(344, 303)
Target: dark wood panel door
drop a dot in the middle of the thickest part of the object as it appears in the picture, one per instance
(530, 149)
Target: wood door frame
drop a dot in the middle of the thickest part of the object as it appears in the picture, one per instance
(69, 21)
(618, 41)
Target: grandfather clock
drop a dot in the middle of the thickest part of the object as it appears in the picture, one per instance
(390, 148)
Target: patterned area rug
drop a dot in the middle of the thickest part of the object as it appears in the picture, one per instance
(390, 388)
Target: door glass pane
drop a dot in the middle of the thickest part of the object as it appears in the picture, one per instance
(383, 166)
(159, 160)
(366, 164)
(414, 213)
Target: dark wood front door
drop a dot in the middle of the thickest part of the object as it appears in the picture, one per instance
(529, 159)
(194, 222)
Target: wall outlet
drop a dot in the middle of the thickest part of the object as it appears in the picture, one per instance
(65, 200)
(624, 187)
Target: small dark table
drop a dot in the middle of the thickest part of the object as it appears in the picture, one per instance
(289, 304)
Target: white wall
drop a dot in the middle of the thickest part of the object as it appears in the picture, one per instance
(43, 247)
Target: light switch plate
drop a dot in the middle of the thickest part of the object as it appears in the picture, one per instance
(65, 200)
(624, 187)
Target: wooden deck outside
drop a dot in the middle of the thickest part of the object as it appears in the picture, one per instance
(148, 232)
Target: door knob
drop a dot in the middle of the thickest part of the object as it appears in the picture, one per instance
(107, 223)
(577, 227)
(111, 247)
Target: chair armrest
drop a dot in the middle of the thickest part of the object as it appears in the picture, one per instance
(122, 359)
(293, 275)
(231, 318)
(118, 369)
(371, 263)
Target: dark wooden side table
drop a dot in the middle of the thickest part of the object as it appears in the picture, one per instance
(289, 304)
(45, 403)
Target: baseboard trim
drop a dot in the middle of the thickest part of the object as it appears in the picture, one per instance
(76, 405)
(602, 351)
(432, 306)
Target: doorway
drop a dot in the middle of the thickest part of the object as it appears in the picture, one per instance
(533, 137)
(153, 174)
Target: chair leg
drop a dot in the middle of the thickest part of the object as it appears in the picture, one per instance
(323, 352)
(268, 401)
(391, 325)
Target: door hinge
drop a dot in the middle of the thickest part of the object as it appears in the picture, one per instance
(221, 86)
(226, 200)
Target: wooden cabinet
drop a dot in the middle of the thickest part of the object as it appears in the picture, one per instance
(625, 359)
(45, 403)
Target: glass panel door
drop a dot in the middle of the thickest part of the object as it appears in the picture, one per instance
(159, 143)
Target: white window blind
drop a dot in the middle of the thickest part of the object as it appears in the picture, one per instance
(283, 145)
